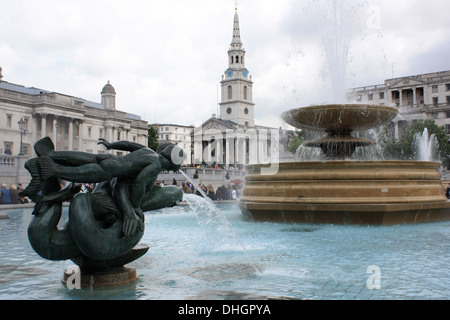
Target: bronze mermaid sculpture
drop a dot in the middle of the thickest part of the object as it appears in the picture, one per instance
(105, 226)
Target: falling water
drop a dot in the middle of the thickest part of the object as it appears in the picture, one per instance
(218, 230)
(426, 146)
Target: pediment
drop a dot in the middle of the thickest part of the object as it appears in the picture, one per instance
(214, 124)
(404, 82)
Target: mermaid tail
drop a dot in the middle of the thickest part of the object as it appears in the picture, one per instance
(49, 241)
(93, 240)
(43, 147)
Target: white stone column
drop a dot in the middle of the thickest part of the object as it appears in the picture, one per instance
(34, 127)
(80, 136)
(70, 134)
(55, 132)
(43, 125)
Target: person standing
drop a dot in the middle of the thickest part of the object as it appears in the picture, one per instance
(5, 197)
(13, 194)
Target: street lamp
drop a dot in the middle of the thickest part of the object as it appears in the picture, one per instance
(23, 131)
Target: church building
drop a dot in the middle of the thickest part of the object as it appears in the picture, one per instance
(232, 138)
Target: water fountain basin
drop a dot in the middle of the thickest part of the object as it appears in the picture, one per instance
(335, 118)
(346, 192)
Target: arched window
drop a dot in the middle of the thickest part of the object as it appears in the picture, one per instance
(237, 59)
(230, 92)
(245, 92)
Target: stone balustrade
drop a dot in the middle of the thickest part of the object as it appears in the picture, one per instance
(12, 170)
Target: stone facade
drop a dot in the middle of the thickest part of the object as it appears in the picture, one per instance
(177, 134)
(72, 123)
(418, 97)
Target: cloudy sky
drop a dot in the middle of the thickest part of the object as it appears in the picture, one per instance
(166, 58)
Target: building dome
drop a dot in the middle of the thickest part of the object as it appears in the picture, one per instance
(108, 88)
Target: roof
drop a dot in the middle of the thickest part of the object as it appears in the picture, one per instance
(108, 88)
(21, 89)
(36, 92)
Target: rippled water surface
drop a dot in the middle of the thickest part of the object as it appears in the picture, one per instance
(192, 257)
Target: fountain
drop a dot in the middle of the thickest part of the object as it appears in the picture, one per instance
(425, 146)
(341, 190)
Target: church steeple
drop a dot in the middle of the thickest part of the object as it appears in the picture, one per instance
(236, 101)
(236, 31)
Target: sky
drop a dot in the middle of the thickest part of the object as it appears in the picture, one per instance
(165, 59)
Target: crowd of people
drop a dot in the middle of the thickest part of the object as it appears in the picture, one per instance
(222, 193)
(231, 192)
(11, 195)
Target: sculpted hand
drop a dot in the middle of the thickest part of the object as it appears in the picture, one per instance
(104, 142)
(130, 224)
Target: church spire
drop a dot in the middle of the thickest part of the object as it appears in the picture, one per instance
(236, 42)
(236, 95)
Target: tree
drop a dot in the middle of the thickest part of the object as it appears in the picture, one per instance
(152, 138)
(404, 149)
(296, 142)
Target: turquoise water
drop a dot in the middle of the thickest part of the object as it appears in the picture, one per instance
(194, 255)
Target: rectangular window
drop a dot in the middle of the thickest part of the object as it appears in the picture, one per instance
(435, 101)
(381, 95)
(9, 120)
(447, 128)
(370, 96)
(434, 89)
(447, 86)
(25, 149)
(8, 146)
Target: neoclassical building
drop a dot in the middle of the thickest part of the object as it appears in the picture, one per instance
(418, 97)
(180, 135)
(72, 123)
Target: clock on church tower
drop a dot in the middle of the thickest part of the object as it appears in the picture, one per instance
(236, 86)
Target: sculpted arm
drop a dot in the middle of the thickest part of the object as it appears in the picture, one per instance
(121, 145)
(144, 183)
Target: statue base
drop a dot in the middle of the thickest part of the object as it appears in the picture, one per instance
(76, 279)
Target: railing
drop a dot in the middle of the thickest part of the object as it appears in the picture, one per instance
(12, 170)
(7, 161)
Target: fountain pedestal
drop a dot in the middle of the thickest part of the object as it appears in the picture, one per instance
(94, 274)
(112, 278)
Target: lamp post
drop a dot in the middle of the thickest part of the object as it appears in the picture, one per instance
(23, 131)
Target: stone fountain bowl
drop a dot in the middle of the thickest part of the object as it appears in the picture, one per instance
(340, 117)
